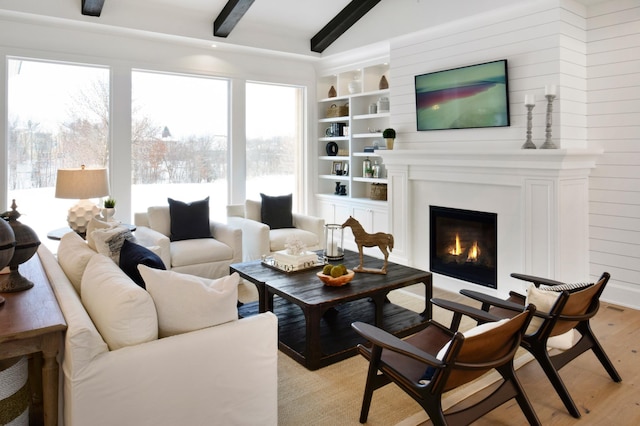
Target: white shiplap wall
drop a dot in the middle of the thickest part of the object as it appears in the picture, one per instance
(593, 55)
(544, 43)
(613, 34)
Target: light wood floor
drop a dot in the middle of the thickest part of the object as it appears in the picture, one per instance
(600, 400)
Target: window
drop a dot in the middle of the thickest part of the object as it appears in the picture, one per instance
(274, 140)
(179, 140)
(58, 117)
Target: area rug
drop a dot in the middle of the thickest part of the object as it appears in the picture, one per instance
(333, 395)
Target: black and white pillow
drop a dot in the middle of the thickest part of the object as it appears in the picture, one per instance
(570, 287)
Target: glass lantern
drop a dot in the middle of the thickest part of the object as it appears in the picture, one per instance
(333, 248)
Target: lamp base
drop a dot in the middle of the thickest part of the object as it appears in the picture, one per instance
(14, 282)
(81, 214)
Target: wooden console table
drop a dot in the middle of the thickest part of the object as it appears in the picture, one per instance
(31, 323)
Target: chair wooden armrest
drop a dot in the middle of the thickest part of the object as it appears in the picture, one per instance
(460, 309)
(390, 342)
(536, 280)
(488, 301)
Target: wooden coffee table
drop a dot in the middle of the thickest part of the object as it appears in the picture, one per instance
(314, 320)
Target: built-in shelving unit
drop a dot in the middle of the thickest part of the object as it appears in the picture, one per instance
(358, 126)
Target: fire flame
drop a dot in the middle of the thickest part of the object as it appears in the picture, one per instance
(474, 252)
(456, 250)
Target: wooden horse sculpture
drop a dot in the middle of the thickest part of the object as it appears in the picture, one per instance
(364, 239)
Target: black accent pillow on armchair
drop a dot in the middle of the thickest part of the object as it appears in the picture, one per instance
(276, 211)
(189, 220)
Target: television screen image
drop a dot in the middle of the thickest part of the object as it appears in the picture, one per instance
(467, 97)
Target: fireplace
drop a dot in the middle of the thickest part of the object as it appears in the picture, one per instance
(463, 244)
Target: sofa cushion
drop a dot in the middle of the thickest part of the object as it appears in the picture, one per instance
(159, 219)
(132, 255)
(278, 238)
(276, 211)
(109, 241)
(252, 210)
(203, 250)
(83, 341)
(189, 220)
(123, 313)
(73, 256)
(187, 302)
(94, 224)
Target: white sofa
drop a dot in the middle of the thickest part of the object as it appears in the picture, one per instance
(203, 257)
(258, 239)
(219, 375)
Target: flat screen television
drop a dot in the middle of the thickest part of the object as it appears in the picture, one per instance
(467, 97)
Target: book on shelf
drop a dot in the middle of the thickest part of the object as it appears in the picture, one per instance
(374, 148)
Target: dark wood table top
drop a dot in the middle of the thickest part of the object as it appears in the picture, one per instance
(31, 312)
(307, 289)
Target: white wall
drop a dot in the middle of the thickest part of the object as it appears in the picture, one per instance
(593, 55)
(543, 43)
(39, 38)
(613, 81)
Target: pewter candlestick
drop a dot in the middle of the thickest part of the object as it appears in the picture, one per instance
(548, 143)
(529, 144)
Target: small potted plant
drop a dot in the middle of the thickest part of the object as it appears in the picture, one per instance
(389, 135)
(109, 209)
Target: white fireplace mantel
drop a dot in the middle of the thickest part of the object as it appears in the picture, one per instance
(540, 197)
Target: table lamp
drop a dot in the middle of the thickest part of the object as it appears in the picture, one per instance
(82, 184)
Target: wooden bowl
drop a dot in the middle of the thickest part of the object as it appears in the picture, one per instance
(337, 281)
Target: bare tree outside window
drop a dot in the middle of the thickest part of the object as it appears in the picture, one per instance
(58, 118)
(179, 146)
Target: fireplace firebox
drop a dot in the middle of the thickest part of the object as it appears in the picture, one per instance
(463, 244)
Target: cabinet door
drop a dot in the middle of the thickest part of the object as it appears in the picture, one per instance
(326, 211)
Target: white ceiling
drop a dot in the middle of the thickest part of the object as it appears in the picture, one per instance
(285, 26)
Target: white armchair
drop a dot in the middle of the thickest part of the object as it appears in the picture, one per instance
(203, 257)
(258, 239)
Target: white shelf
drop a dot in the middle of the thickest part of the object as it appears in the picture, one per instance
(370, 116)
(366, 154)
(366, 135)
(370, 180)
(333, 119)
(334, 157)
(334, 177)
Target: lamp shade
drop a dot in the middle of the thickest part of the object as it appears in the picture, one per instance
(82, 183)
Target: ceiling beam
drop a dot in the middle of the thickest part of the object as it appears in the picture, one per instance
(232, 12)
(341, 23)
(92, 7)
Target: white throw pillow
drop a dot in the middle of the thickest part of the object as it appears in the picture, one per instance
(73, 256)
(95, 224)
(186, 302)
(469, 333)
(122, 311)
(109, 241)
(544, 301)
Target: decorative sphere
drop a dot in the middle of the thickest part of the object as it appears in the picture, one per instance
(7, 243)
(27, 240)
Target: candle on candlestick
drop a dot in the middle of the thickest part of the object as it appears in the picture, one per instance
(529, 100)
(550, 90)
